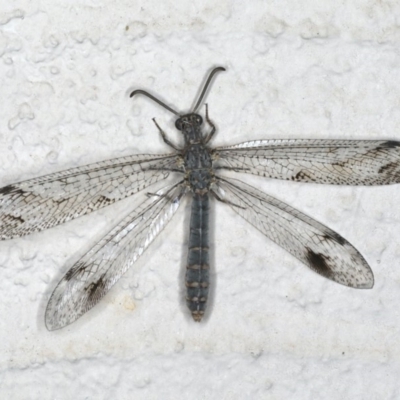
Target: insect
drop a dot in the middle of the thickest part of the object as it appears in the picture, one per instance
(44, 202)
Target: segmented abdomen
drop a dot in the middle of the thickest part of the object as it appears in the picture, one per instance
(198, 267)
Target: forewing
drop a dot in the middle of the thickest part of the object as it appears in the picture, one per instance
(339, 162)
(94, 274)
(44, 202)
(317, 246)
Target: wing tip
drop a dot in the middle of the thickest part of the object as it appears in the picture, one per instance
(55, 317)
(54, 322)
(362, 281)
(51, 324)
(369, 284)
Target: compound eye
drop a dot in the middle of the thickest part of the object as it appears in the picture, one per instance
(178, 124)
(199, 120)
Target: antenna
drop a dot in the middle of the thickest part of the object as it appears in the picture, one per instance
(154, 99)
(213, 72)
(207, 84)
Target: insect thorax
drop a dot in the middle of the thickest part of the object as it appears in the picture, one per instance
(198, 166)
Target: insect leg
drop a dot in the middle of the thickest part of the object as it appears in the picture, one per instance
(164, 137)
(213, 130)
(164, 195)
(217, 197)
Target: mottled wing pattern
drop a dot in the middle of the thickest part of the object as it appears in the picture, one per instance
(97, 271)
(339, 162)
(44, 202)
(317, 246)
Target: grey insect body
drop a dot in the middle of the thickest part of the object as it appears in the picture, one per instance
(199, 176)
(198, 263)
(44, 202)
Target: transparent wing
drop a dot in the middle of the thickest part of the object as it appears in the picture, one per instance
(317, 246)
(95, 273)
(340, 162)
(44, 202)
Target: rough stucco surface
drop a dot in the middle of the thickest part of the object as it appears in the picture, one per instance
(275, 330)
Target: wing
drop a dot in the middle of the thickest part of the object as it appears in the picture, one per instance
(95, 273)
(339, 162)
(44, 202)
(317, 246)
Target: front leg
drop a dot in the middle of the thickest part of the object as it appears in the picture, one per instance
(164, 137)
(213, 130)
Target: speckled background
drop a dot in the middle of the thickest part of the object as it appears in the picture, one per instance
(276, 330)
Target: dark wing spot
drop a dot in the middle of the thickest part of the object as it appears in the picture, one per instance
(104, 200)
(389, 168)
(7, 189)
(302, 176)
(390, 144)
(318, 262)
(340, 164)
(95, 290)
(14, 218)
(73, 272)
(297, 177)
(69, 274)
(99, 202)
(336, 237)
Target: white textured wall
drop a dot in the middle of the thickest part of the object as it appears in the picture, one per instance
(310, 69)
